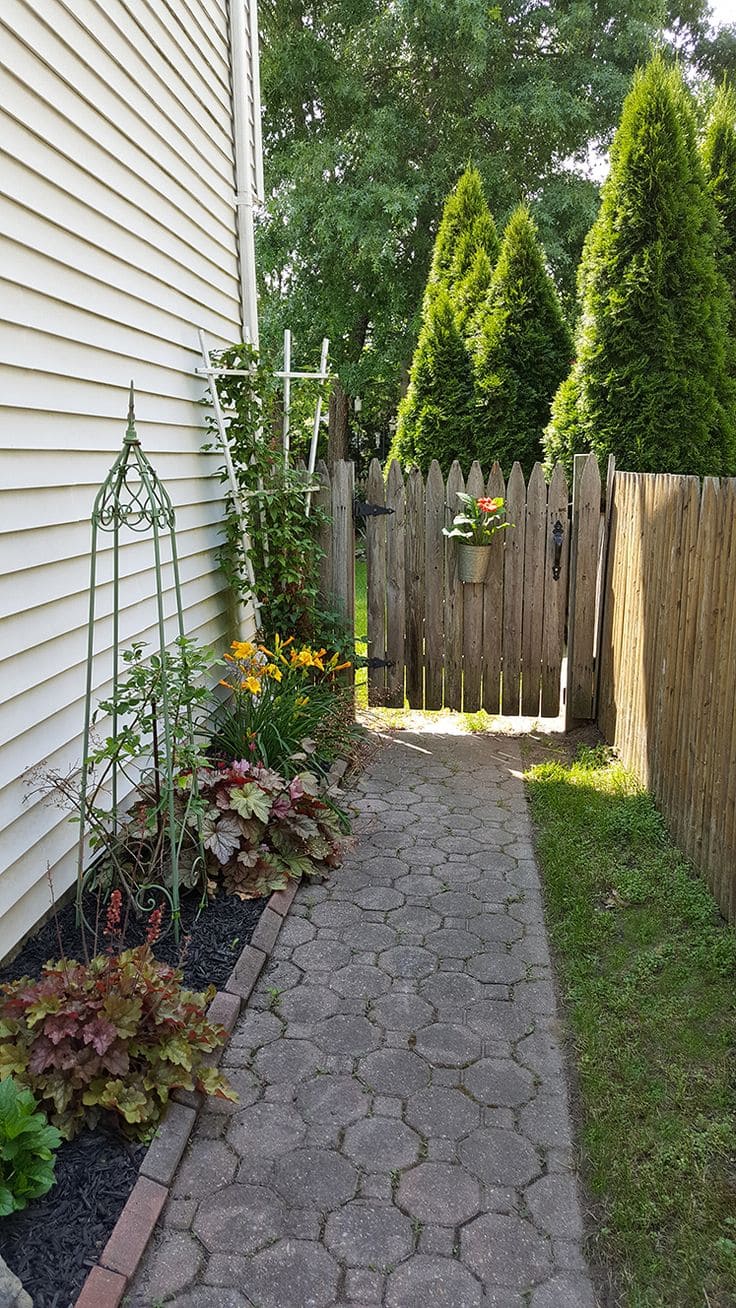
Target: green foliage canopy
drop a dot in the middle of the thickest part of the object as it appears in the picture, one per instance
(523, 352)
(370, 109)
(719, 158)
(436, 414)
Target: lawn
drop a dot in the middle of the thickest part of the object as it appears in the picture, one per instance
(647, 971)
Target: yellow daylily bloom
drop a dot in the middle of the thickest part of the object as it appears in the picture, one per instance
(243, 649)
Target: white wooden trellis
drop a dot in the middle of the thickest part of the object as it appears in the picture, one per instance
(287, 375)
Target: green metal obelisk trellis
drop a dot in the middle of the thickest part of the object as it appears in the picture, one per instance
(133, 498)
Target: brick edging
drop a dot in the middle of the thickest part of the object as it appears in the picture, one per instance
(121, 1257)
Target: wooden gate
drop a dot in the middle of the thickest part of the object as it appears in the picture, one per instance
(500, 646)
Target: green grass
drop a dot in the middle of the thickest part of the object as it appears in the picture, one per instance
(647, 969)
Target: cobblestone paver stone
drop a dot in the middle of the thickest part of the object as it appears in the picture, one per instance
(403, 1139)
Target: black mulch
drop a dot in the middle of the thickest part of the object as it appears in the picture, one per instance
(52, 1244)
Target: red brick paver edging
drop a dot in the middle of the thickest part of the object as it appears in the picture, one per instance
(119, 1260)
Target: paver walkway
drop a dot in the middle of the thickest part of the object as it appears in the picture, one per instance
(402, 1136)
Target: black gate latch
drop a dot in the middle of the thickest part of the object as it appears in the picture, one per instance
(362, 509)
(557, 542)
(374, 664)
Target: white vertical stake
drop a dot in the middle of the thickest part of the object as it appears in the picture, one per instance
(230, 467)
(317, 420)
(287, 393)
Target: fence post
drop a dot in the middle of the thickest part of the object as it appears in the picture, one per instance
(343, 541)
(395, 588)
(375, 561)
(322, 501)
(586, 515)
(603, 581)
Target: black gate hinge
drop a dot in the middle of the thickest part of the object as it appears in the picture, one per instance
(362, 509)
(374, 664)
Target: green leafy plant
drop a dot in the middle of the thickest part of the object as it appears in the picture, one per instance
(132, 844)
(260, 829)
(115, 1036)
(284, 552)
(285, 703)
(480, 519)
(27, 1147)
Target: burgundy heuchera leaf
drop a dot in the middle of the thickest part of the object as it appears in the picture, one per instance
(99, 1033)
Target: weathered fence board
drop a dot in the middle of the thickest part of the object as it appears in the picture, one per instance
(533, 613)
(395, 589)
(434, 587)
(513, 590)
(473, 618)
(323, 501)
(493, 606)
(375, 566)
(586, 522)
(454, 599)
(667, 688)
(414, 577)
(555, 593)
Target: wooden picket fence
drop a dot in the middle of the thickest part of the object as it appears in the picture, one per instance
(436, 642)
(667, 694)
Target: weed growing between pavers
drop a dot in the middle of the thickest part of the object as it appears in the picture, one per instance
(647, 969)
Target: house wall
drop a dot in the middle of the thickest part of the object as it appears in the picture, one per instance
(118, 230)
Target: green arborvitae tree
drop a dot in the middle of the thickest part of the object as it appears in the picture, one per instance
(465, 228)
(652, 377)
(469, 295)
(523, 351)
(436, 414)
(719, 158)
(465, 250)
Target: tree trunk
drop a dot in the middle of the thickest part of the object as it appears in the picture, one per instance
(337, 431)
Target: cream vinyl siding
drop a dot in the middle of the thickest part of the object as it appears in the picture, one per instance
(118, 231)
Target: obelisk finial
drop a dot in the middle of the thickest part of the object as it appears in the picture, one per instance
(131, 435)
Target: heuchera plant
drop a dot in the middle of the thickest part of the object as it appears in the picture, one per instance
(260, 829)
(27, 1147)
(117, 1035)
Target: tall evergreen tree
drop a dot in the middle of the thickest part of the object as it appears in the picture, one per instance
(523, 351)
(436, 415)
(465, 228)
(719, 158)
(465, 249)
(652, 380)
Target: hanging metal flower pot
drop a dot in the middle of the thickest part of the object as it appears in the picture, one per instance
(481, 516)
(472, 563)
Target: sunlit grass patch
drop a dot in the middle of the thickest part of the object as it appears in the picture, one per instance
(647, 968)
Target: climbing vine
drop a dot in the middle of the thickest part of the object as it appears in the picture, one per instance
(284, 550)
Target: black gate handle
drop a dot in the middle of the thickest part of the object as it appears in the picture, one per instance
(557, 535)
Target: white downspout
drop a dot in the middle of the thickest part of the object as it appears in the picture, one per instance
(246, 84)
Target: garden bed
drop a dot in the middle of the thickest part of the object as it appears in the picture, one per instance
(52, 1244)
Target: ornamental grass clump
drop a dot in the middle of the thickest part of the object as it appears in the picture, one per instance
(27, 1148)
(113, 1037)
(285, 702)
(260, 829)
